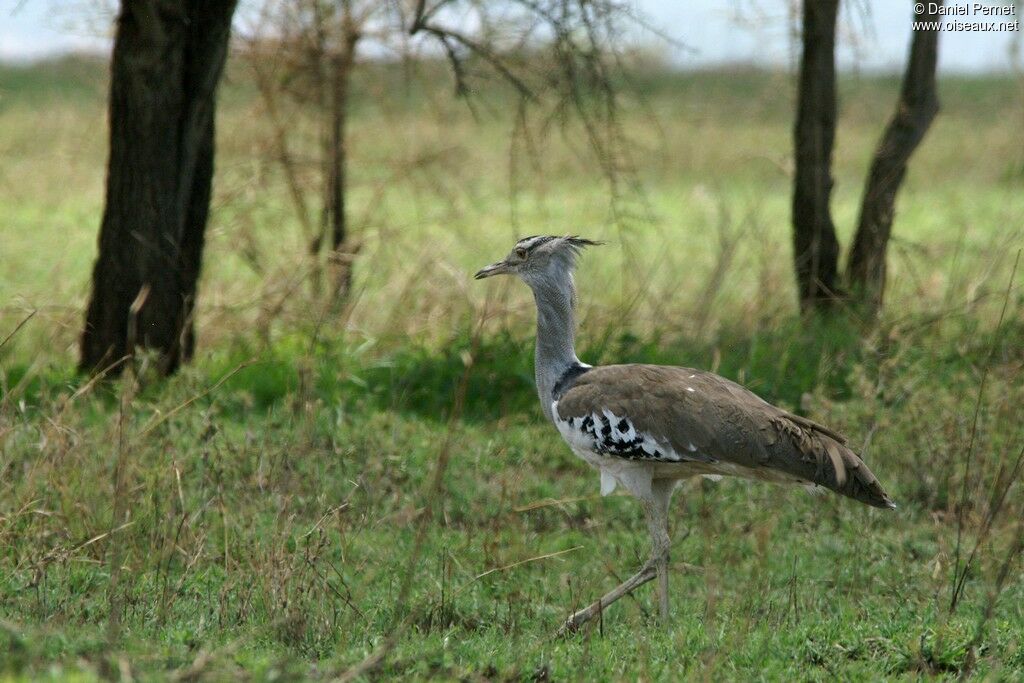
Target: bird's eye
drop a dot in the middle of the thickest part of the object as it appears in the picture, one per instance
(521, 254)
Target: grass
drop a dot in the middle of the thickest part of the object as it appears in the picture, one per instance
(258, 515)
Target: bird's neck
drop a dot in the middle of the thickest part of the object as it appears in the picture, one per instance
(556, 330)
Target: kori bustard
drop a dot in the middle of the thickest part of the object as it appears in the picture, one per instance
(647, 427)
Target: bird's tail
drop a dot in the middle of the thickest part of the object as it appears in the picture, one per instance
(848, 475)
(825, 456)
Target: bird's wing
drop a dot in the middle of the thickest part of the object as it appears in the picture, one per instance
(699, 416)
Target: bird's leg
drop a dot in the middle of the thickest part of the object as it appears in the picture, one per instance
(656, 511)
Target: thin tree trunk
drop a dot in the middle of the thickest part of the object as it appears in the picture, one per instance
(341, 63)
(320, 72)
(167, 61)
(336, 176)
(917, 107)
(815, 247)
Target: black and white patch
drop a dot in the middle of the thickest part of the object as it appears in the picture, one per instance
(608, 434)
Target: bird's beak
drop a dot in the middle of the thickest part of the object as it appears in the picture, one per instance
(500, 268)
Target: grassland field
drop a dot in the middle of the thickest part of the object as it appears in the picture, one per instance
(272, 511)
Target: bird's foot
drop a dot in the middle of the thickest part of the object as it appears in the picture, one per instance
(580, 618)
(575, 622)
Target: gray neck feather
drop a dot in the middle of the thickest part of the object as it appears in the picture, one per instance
(556, 329)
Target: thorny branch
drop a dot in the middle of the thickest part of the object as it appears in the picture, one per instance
(564, 60)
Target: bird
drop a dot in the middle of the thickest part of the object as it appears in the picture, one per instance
(647, 428)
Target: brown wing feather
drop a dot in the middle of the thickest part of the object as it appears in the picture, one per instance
(695, 409)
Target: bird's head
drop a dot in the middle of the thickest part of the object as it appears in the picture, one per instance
(539, 257)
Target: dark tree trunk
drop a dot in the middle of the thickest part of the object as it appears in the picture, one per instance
(341, 68)
(340, 65)
(815, 247)
(334, 63)
(917, 107)
(167, 61)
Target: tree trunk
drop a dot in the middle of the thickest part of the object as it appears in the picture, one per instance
(340, 67)
(336, 175)
(815, 247)
(917, 107)
(167, 61)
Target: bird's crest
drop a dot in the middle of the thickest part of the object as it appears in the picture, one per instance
(574, 242)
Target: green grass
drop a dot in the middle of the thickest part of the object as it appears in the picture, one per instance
(271, 494)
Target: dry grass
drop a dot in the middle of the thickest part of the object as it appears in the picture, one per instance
(278, 509)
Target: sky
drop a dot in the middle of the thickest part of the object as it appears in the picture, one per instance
(873, 33)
